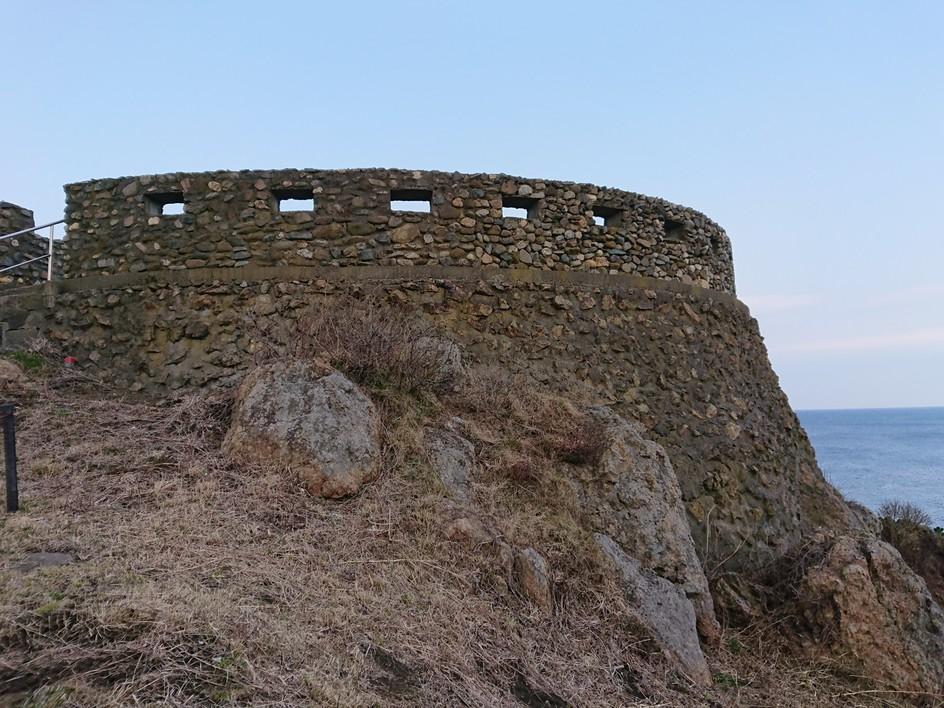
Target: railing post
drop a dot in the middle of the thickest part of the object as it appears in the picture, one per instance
(52, 228)
(8, 415)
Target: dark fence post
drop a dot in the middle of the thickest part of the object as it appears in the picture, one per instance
(8, 415)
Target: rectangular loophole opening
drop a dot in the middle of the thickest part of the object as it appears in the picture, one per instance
(607, 216)
(519, 207)
(416, 200)
(165, 204)
(289, 200)
(674, 230)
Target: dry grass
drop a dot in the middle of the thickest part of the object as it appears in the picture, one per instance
(199, 582)
(379, 347)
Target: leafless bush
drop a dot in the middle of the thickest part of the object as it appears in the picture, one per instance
(582, 441)
(904, 512)
(377, 345)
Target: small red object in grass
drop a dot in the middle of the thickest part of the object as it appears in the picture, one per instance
(69, 360)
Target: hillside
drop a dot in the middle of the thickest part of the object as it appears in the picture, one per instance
(148, 566)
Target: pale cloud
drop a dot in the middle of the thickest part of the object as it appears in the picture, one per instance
(765, 304)
(890, 340)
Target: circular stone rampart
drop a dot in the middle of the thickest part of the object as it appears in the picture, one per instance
(360, 217)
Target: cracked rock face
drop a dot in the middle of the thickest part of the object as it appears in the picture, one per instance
(862, 601)
(662, 608)
(311, 419)
(453, 457)
(633, 497)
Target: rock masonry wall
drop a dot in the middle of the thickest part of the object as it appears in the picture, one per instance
(21, 248)
(641, 308)
(688, 363)
(232, 219)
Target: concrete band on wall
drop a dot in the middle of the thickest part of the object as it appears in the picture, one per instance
(232, 219)
(688, 363)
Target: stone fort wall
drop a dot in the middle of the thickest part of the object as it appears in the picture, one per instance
(22, 248)
(640, 308)
(348, 218)
(687, 362)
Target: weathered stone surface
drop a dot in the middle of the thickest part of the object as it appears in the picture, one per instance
(11, 375)
(532, 577)
(633, 497)
(32, 561)
(470, 530)
(20, 249)
(862, 602)
(453, 458)
(661, 607)
(650, 237)
(405, 234)
(315, 421)
(749, 498)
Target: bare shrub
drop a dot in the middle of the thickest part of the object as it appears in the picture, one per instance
(519, 467)
(908, 529)
(583, 441)
(904, 512)
(375, 344)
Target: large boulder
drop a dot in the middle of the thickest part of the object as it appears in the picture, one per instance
(633, 497)
(662, 608)
(311, 419)
(858, 599)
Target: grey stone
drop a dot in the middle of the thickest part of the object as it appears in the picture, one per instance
(314, 421)
(662, 608)
(453, 458)
(532, 578)
(32, 561)
(633, 496)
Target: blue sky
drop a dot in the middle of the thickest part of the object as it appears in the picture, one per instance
(812, 131)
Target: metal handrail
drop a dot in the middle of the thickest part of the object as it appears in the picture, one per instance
(31, 228)
(52, 228)
(31, 260)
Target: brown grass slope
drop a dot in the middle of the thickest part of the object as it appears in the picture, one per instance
(201, 582)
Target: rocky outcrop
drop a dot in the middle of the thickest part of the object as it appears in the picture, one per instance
(859, 600)
(633, 497)
(311, 419)
(532, 577)
(453, 458)
(662, 608)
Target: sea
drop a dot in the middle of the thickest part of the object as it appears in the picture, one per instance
(882, 454)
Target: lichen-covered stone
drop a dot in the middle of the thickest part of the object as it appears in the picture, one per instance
(452, 457)
(862, 603)
(661, 607)
(633, 497)
(316, 422)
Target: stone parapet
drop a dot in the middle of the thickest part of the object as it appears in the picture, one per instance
(19, 249)
(348, 218)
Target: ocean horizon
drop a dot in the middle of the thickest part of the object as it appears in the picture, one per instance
(874, 455)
